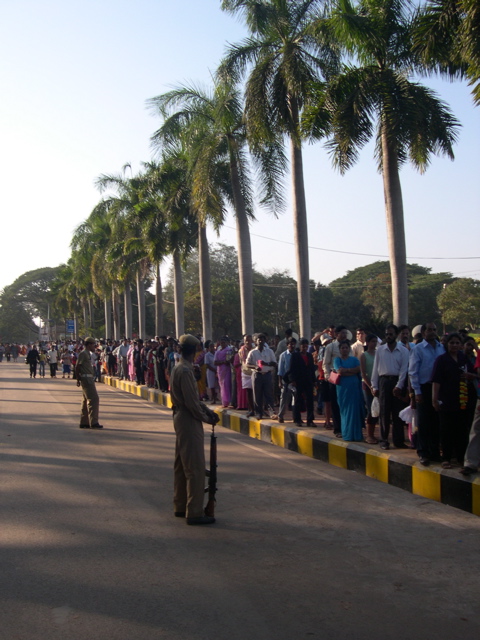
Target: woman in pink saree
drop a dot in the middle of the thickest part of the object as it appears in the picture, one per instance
(222, 360)
(131, 364)
(239, 360)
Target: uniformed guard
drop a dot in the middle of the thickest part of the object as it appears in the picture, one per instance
(86, 378)
(188, 415)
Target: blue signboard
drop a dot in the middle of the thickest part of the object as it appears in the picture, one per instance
(70, 328)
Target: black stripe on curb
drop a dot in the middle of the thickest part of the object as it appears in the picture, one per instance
(400, 475)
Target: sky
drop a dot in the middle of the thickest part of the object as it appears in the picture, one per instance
(74, 81)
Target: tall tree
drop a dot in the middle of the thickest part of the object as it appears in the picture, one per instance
(447, 37)
(128, 195)
(377, 94)
(170, 181)
(285, 59)
(213, 126)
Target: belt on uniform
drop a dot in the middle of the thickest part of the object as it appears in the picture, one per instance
(86, 375)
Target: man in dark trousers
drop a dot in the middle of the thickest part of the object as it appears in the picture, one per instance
(302, 376)
(188, 415)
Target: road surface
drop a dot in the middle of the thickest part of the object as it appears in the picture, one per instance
(90, 548)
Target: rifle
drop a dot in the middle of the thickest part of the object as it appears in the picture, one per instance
(212, 476)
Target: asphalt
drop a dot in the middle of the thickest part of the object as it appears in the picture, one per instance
(397, 467)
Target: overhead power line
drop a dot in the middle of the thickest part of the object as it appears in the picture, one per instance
(355, 253)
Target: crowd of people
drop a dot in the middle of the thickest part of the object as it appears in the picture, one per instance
(358, 389)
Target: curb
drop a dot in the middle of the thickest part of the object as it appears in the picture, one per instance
(434, 483)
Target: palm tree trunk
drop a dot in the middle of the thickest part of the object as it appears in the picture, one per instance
(244, 252)
(127, 303)
(300, 235)
(116, 314)
(85, 317)
(158, 302)
(179, 301)
(395, 232)
(91, 315)
(141, 305)
(205, 281)
(108, 317)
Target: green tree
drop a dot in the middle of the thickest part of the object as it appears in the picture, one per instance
(128, 248)
(286, 60)
(447, 38)
(459, 303)
(363, 296)
(377, 94)
(197, 120)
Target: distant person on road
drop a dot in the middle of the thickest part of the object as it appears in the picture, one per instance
(42, 359)
(188, 415)
(32, 360)
(86, 379)
(66, 363)
(53, 361)
(15, 352)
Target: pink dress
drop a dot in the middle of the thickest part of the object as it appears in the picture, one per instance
(224, 373)
(242, 394)
(131, 365)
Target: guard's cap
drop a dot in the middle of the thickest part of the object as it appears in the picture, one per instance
(188, 340)
(89, 341)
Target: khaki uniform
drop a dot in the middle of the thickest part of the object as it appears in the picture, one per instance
(90, 400)
(189, 413)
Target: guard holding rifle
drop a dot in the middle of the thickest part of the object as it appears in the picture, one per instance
(188, 415)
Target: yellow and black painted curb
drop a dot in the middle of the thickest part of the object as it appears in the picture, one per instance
(435, 483)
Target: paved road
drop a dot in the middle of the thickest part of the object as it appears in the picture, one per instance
(90, 548)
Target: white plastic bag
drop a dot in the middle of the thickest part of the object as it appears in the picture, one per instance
(375, 409)
(407, 414)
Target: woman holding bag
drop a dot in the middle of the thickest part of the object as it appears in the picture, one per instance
(349, 394)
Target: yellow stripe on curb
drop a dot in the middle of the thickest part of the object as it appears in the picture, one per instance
(254, 429)
(376, 465)
(476, 496)
(305, 444)
(337, 454)
(235, 423)
(277, 436)
(426, 483)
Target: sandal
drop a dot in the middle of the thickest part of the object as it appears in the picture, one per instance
(446, 465)
(329, 426)
(371, 440)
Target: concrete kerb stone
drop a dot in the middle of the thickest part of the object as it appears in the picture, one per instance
(433, 482)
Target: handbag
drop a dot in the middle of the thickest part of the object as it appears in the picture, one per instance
(246, 370)
(335, 378)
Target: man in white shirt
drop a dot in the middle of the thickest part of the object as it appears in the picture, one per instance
(358, 346)
(52, 354)
(121, 352)
(262, 361)
(389, 379)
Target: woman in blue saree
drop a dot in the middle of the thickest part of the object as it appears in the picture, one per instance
(349, 394)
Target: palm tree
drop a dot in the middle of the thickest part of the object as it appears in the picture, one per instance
(129, 195)
(410, 120)
(286, 60)
(171, 134)
(447, 37)
(213, 128)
